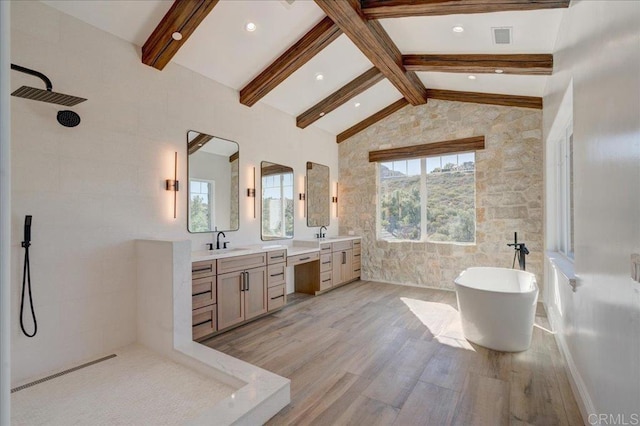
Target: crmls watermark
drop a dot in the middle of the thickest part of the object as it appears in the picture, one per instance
(632, 419)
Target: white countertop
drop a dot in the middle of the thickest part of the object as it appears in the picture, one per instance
(300, 246)
(197, 256)
(296, 250)
(318, 241)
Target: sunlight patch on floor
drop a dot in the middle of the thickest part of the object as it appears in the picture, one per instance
(441, 319)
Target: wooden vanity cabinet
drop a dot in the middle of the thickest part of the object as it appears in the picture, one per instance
(242, 289)
(357, 259)
(339, 263)
(342, 271)
(276, 280)
(203, 298)
(232, 290)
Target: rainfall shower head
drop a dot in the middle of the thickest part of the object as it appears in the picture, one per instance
(42, 95)
(49, 96)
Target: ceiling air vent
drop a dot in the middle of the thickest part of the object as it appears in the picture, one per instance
(287, 3)
(501, 35)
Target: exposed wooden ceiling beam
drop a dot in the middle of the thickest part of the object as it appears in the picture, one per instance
(445, 95)
(339, 97)
(397, 105)
(183, 17)
(486, 98)
(526, 64)
(473, 143)
(198, 142)
(379, 9)
(296, 56)
(376, 45)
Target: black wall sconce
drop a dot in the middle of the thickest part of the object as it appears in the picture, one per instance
(174, 185)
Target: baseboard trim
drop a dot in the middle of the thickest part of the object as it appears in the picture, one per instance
(580, 392)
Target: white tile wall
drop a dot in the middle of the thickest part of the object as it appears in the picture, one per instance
(95, 188)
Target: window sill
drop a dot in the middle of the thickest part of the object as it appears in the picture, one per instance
(563, 265)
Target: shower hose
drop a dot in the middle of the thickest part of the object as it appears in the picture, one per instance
(26, 283)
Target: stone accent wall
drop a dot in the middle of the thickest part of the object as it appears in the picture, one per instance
(509, 185)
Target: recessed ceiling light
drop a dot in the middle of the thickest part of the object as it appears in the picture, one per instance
(319, 76)
(472, 77)
(458, 29)
(357, 104)
(321, 114)
(499, 71)
(176, 36)
(251, 27)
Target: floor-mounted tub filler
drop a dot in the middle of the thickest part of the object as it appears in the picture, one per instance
(497, 307)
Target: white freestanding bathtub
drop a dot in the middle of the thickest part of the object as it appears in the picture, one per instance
(497, 307)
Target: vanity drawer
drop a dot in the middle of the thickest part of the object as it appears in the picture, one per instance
(240, 263)
(325, 281)
(203, 269)
(357, 246)
(276, 275)
(302, 258)
(325, 262)
(342, 245)
(325, 248)
(277, 256)
(204, 321)
(357, 257)
(203, 292)
(356, 263)
(275, 298)
(356, 273)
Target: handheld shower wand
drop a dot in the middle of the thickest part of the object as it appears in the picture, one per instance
(26, 278)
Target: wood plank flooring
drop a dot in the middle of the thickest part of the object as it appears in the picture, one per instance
(379, 354)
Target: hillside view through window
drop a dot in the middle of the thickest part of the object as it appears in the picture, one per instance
(428, 199)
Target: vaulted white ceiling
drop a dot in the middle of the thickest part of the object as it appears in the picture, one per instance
(222, 50)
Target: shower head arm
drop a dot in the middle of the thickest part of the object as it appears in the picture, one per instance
(34, 73)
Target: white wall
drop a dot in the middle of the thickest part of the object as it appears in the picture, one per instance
(599, 324)
(94, 189)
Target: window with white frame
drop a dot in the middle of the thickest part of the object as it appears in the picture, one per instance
(201, 215)
(428, 199)
(565, 191)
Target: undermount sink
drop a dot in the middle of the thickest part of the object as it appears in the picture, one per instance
(227, 250)
(219, 251)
